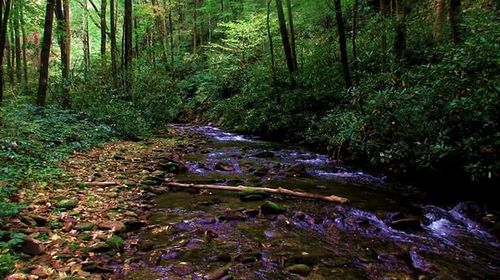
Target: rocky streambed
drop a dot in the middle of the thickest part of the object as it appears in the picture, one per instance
(381, 234)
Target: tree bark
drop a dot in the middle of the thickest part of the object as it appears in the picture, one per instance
(440, 16)
(10, 58)
(286, 44)
(25, 43)
(103, 30)
(128, 53)
(354, 33)
(45, 53)
(17, 42)
(4, 20)
(455, 15)
(281, 191)
(171, 33)
(400, 37)
(292, 33)
(112, 24)
(86, 38)
(62, 38)
(271, 45)
(342, 43)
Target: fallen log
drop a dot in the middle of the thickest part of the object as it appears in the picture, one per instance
(282, 191)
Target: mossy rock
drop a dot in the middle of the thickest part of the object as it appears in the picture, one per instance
(85, 227)
(300, 269)
(67, 203)
(252, 195)
(270, 207)
(116, 242)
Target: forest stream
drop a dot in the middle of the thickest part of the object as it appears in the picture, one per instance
(380, 234)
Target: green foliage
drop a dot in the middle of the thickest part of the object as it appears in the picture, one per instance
(7, 263)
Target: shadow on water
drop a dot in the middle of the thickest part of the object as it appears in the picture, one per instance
(382, 234)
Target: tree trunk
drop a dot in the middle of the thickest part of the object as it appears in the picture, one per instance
(86, 38)
(10, 59)
(4, 20)
(440, 16)
(292, 33)
(455, 15)
(17, 42)
(286, 43)
(25, 43)
(128, 53)
(112, 24)
(195, 28)
(400, 37)
(45, 53)
(383, 12)
(103, 31)
(62, 38)
(271, 45)
(342, 43)
(171, 31)
(354, 33)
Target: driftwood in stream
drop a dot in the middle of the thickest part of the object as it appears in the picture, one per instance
(282, 191)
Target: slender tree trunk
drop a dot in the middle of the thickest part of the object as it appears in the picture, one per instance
(4, 22)
(45, 54)
(286, 43)
(11, 55)
(400, 37)
(342, 43)
(86, 37)
(440, 16)
(171, 31)
(292, 33)
(195, 28)
(112, 24)
(103, 31)
(455, 15)
(68, 34)
(354, 33)
(383, 12)
(271, 45)
(222, 6)
(128, 53)
(17, 41)
(25, 43)
(62, 39)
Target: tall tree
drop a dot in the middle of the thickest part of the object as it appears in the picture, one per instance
(103, 30)
(195, 28)
(440, 15)
(62, 37)
(114, 48)
(286, 43)
(5, 7)
(292, 33)
(45, 53)
(354, 33)
(17, 41)
(400, 30)
(342, 43)
(128, 53)
(25, 41)
(455, 14)
(271, 45)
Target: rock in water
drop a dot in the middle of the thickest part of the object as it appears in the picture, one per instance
(272, 208)
(253, 195)
(224, 166)
(300, 269)
(407, 224)
(265, 154)
(296, 170)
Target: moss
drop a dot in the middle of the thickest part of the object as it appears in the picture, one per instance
(116, 242)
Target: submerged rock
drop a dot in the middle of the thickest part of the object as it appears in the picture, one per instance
(407, 224)
(300, 269)
(296, 170)
(264, 154)
(272, 208)
(253, 195)
(224, 166)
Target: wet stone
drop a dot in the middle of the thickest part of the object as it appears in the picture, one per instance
(300, 269)
(272, 208)
(182, 269)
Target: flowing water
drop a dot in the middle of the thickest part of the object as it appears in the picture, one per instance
(380, 234)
